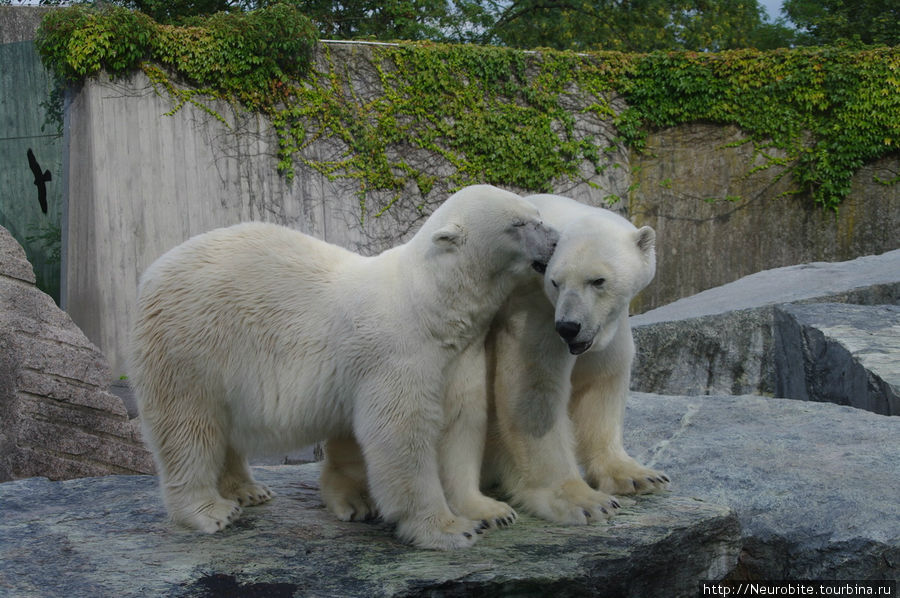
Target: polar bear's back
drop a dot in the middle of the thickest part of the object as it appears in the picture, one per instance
(231, 276)
(252, 249)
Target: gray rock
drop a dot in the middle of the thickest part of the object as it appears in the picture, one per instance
(844, 354)
(109, 537)
(813, 484)
(58, 417)
(720, 341)
(13, 263)
(727, 353)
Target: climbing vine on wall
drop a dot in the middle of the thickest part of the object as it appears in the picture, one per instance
(494, 114)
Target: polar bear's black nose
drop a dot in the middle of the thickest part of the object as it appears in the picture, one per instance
(568, 330)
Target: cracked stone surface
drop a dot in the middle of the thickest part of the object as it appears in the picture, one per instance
(109, 537)
(761, 489)
(813, 484)
(57, 416)
(868, 280)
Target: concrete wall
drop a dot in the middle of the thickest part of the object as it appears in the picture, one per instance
(20, 22)
(140, 182)
(704, 241)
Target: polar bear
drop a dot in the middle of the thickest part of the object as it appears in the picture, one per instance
(256, 338)
(560, 370)
(559, 356)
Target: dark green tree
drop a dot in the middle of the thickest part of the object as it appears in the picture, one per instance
(825, 22)
(637, 25)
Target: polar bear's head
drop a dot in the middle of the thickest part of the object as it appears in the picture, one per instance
(600, 264)
(494, 227)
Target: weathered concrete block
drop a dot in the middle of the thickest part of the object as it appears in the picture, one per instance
(812, 483)
(13, 263)
(705, 244)
(20, 22)
(720, 354)
(109, 537)
(57, 416)
(720, 341)
(844, 354)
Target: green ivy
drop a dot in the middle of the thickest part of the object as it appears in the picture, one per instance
(828, 110)
(236, 56)
(492, 114)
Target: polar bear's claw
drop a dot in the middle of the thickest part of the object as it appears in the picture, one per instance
(506, 521)
(209, 516)
(625, 476)
(571, 502)
(487, 511)
(445, 533)
(250, 494)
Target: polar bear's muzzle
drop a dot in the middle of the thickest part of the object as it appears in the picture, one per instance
(569, 330)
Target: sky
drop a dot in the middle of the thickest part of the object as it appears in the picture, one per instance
(773, 7)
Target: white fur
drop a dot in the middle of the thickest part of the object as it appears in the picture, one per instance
(256, 338)
(560, 404)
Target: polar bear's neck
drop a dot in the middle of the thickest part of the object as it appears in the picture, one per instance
(462, 295)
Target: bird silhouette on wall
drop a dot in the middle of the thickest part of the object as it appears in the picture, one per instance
(40, 180)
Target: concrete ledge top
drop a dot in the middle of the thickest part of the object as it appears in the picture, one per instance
(781, 285)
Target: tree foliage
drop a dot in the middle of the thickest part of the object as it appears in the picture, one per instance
(636, 25)
(580, 25)
(824, 22)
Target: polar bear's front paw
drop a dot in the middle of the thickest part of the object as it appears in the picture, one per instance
(440, 533)
(490, 512)
(249, 494)
(571, 502)
(625, 476)
(209, 516)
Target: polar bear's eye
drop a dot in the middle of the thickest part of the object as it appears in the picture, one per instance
(554, 283)
(598, 282)
(519, 223)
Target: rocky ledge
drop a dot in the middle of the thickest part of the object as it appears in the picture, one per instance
(762, 489)
(109, 537)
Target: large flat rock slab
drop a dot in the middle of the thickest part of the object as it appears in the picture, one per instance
(814, 484)
(809, 492)
(844, 354)
(109, 537)
(868, 280)
(721, 341)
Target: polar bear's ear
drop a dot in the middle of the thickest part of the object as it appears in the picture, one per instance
(448, 236)
(646, 240)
